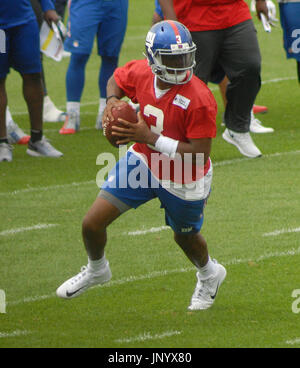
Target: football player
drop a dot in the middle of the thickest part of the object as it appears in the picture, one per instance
(20, 33)
(290, 23)
(221, 79)
(226, 31)
(176, 124)
(107, 21)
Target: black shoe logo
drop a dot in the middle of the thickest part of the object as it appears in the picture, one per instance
(213, 296)
(73, 293)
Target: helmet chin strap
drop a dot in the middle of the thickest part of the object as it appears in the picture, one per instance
(175, 78)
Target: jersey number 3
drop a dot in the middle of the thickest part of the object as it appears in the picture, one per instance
(159, 124)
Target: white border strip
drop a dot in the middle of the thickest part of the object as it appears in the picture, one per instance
(30, 228)
(283, 231)
(155, 274)
(147, 336)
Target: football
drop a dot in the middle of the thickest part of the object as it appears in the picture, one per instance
(125, 112)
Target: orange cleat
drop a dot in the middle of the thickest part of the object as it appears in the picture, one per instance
(257, 109)
(71, 125)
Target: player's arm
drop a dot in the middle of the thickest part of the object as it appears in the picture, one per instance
(50, 14)
(114, 94)
(167, 8)
(141, 133)
(261, 7)
(195, 147)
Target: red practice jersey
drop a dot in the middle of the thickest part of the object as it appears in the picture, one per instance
(205, 15)
(186, 111)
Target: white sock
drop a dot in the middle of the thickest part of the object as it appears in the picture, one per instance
(8, 116)
(73, 107)
(208, 270)
(102, 104)
(97, 265)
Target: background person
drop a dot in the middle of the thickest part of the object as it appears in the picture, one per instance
(21, 30)
(225, 37)
(107, 21)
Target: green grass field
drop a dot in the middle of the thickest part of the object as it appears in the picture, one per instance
(252, 226)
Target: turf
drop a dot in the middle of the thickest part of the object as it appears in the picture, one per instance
(145, 304)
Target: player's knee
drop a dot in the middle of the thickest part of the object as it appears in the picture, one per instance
(253, 67)
(91, 226)
(32, 78)
(184, 240)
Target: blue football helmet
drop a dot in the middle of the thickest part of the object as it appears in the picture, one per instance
(171, 52)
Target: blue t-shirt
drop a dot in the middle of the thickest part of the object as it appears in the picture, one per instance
(16, 12)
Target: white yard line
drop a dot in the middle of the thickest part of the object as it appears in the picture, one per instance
(293, 342)
(93, 103)
(30, 228)
(156, 274)
(93, 182)
(243, 159)
(282, 231)
(147, 336)
(14, 334)
(50, 187)
(147, 231)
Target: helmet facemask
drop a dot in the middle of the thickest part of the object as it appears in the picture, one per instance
(171, 52)
(174, 68)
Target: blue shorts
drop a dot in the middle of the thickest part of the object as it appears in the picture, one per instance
(22, 50)
(290, 22)
(104, 19)
(158, 9)
(182, 216)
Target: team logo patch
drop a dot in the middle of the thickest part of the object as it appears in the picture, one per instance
(181, 101)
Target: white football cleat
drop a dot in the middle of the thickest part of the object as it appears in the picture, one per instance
(206, 290)
(72, 123)
(82, 281)
(42, 148)
(257, 127)
(243, 142)
(15, 134)
(5, 152)
(98, 125)
(51, 114)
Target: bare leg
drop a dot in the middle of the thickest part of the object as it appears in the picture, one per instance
(34, 97)
(3, 105)
(194, 247)
(222, 87)
(94, 225)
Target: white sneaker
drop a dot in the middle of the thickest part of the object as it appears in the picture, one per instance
(243, 142)
(257, 127)
(66, 54)
(42, 148)
(98, 125)
(5, 152)
(206, 290)
(15, 134)
(72, 123)
(82, 281)
(51, 114)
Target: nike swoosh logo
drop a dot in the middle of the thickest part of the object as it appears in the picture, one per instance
(213, 296)
(73, 293)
